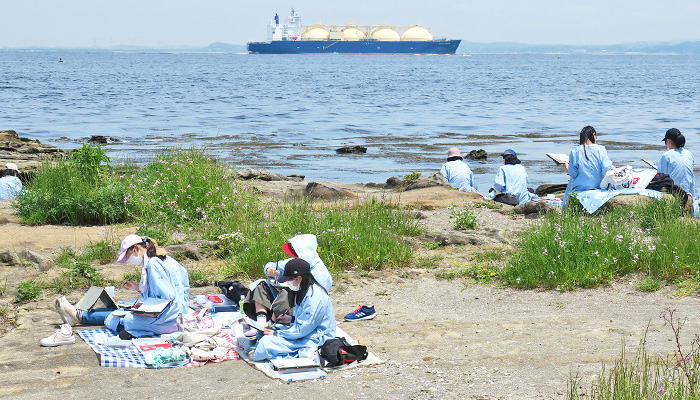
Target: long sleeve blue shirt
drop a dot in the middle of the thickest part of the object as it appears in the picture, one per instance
(587, 167)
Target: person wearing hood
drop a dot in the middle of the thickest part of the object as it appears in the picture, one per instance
(511, 178)
(10, 185)
(314, 321)
(162, 277)
(267, 300)
(457, 172)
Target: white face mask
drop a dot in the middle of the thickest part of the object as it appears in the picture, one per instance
(290, 284)
(136, 260)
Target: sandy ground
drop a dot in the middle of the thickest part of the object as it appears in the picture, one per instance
(440, 338)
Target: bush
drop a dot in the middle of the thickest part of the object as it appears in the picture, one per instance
(73, 191)
(463, 218)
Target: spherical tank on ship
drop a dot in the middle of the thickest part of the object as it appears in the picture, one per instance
(417, 33)
(384, 33)
(315, 33)
(353, 34)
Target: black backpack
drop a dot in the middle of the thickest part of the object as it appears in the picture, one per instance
(233, 290)
(338, 351)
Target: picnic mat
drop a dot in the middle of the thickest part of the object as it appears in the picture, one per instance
(131, 357)
(267, 369)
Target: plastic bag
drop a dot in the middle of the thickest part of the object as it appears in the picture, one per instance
(617, 178)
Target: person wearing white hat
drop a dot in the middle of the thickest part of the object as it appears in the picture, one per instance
(457, 172)
(162, 277)
(10, 185)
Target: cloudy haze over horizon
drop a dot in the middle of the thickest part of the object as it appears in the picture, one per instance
(157, 23)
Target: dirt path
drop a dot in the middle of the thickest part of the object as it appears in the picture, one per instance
(440, 338)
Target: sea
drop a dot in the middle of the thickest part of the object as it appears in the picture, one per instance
(290, 113)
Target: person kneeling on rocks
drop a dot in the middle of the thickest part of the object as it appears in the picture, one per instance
(267, 300)
(314, 319)
(161, 277)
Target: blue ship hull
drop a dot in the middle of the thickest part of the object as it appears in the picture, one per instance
(354, 47)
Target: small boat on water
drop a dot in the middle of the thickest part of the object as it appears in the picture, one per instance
(295, 38)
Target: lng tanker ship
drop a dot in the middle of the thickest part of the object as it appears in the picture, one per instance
(295, 38)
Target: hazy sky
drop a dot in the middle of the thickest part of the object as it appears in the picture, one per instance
(87, 23)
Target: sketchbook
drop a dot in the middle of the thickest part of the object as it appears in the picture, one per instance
(558, 158)
(649, 163)
(92, 296)
(149, 305)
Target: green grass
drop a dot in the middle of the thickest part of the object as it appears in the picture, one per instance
(74, 190)
(577, 250)
(645, 375)
(27, 291)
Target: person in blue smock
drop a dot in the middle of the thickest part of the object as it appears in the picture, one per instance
(512, 178)
(162, 277)
(678, 162)
(587, 164)
(314, 319)
(10, 185)
(266, 301)
(457, 172)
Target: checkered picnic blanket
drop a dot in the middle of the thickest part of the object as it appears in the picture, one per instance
(130, 357)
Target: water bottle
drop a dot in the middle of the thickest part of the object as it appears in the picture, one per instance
(240, 304)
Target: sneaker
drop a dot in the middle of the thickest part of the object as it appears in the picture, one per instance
(63, 335)
(362, 312)
(65, 309)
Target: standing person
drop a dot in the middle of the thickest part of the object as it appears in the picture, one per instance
(511, 178)
(587, 164)
(10, 185)
(161, 277)
(314, 320)
(678, 162)
(457, 172)
(266, 301)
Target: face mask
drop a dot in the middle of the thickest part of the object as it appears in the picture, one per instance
(290, 284)
(136, 260)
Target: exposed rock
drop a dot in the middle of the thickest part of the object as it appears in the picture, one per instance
(44, 263)
(533, 207)
(265, 175)
(393, 182)
(550, 188)
(627, 200)
(318, 190)
(477, 155)
(9, 257)
(433, 198)
(191, 250)
(28, 154)
(351, 150)
(102, 139)
(432, 180)
(458, 238)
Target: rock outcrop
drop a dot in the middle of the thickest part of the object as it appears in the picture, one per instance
(28, 154)
(265, 175)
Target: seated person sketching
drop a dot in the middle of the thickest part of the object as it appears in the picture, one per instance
(457, 172)
(314, 320)
(511, 179)
(267, 300)
(161, 277)
(10, 185)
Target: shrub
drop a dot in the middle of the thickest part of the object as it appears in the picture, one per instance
(463, 218)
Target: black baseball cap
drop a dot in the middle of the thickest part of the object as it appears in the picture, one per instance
(295, 267)
(671, 134)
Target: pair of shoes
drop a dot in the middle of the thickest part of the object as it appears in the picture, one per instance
(65, 309)
(362, 312)
(63, 335)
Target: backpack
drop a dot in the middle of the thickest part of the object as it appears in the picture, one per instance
(233, 290)
(338, 351)
(506, 198)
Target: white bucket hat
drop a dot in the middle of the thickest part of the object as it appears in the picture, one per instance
(12, 165)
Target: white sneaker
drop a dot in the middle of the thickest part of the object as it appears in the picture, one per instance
(63, 335)
(65, 309)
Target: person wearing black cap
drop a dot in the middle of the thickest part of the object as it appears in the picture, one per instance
(314, 319)
(511, 178)
(678, 162)
(587, 164)
(266, 301)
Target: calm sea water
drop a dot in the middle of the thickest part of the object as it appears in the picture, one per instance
(289, 113)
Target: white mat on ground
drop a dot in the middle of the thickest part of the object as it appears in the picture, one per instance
(266, 366)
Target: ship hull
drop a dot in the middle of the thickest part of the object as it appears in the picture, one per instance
(354, 47)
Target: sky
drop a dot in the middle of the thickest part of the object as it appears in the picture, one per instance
(156, 23)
